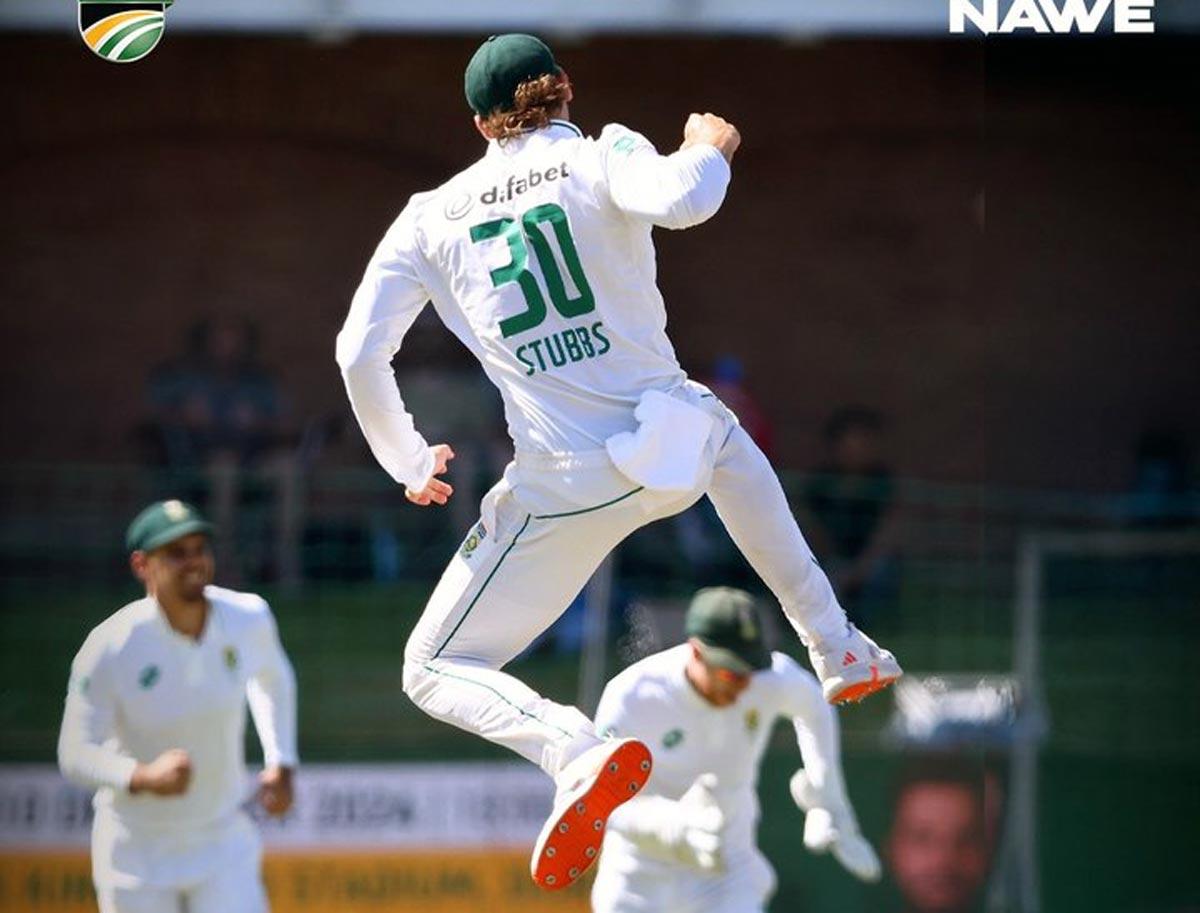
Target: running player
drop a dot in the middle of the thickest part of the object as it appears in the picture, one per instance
(154, 722)
(539, 258)
(687, 844)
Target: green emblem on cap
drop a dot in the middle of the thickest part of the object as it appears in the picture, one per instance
(752, 721)
(148, 677)
(163, 522)
(748, 624)
(672, 738)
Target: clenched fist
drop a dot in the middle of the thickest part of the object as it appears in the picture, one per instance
(167, 775)
(713, 130)
(275, 790)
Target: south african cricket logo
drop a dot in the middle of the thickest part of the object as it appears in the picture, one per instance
(119, 31)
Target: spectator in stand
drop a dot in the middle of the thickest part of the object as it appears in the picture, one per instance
(215, 399)
(216, 423)
(1162, 495)
(727, 382)
(944, 835)
(852, 513)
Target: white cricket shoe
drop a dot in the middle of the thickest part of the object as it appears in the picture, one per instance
(589, 788)
(853, 666)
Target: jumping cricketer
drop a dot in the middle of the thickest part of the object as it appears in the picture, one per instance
(687, 843)
(539, 258)
(154, 722)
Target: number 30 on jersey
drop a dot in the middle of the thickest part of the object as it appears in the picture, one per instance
(520, 236)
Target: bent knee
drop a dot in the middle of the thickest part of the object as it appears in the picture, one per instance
(414, 677)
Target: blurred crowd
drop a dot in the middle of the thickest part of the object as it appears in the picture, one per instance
(221, 430)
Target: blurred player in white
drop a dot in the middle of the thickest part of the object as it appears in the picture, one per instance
(154, 722)
(707, 707)
(539, 258)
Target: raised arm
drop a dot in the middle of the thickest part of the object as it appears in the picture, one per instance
(386, 304)
(678, 190)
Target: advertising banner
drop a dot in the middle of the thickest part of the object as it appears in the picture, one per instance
(436, 838)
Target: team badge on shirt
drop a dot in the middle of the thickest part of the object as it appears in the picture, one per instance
(625, 144)
(458, 207)
(672, 738)
(149, 677)
(229, 654)
(477, 535)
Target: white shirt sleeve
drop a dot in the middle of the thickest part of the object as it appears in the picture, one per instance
(271, 693)
(640, 817)
(86, 742)
(817, 731)
(678, 190)
(610, 712)
(386, 304)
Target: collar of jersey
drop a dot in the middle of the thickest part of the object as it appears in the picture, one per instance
(553, 132)
(206, 635)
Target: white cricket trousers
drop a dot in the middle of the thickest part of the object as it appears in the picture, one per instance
(544, 529)
(630, 884)
(214, 871)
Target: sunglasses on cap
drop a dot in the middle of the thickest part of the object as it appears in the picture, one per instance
(729, 676)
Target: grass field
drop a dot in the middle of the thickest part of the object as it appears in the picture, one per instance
(1119, 792)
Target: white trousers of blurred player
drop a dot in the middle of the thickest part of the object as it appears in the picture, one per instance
(544, 529)
(634, 884)
(213, 870)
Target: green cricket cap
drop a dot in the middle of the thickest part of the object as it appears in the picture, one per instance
(501, 64)
(163, 522)
(727, 625)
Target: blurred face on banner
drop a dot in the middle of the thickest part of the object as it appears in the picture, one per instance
(939, 850)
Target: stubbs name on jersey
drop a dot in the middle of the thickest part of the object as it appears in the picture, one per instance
(571, 345)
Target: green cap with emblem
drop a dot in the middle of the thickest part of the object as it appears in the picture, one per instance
(501, 64)
(163, 522)
(727, 626)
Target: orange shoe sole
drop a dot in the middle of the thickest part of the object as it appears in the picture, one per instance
(574, 842)
(856, 692)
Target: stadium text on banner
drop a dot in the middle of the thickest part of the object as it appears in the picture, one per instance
(361, 837)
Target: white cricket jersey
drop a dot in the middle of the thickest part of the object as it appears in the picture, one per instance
(139, 687)
(539, 258)
(652, 700)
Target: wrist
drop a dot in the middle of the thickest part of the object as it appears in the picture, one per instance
(137, 780)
